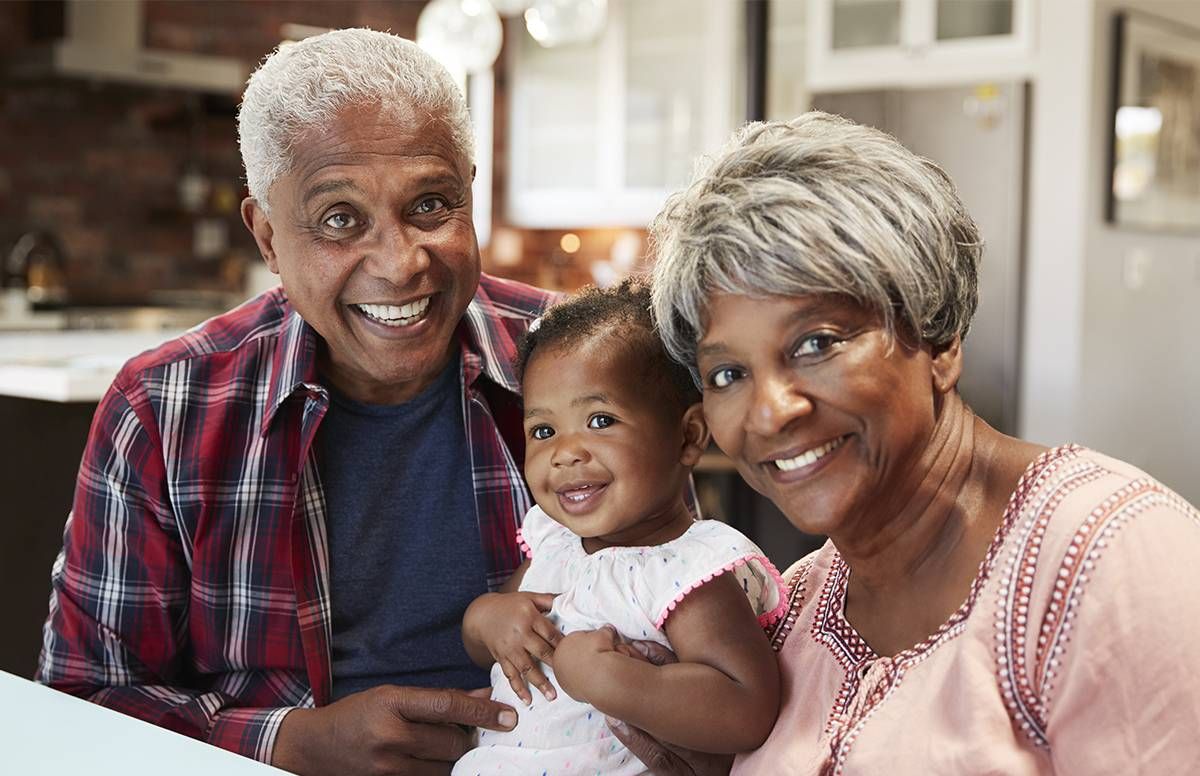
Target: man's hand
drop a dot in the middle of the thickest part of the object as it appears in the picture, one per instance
(387, 729)
(516, 632)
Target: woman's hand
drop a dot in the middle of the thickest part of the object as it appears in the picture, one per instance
(663, 759)
(514, 629)
(666, 760)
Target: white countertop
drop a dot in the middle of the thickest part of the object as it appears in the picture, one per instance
(48, 733)
(69, 366)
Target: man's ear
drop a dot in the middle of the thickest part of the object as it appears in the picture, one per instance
(947, 365)
(256, 221)
(695, 435)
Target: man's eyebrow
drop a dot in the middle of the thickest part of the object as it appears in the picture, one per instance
(329, 186)
(711, 349)
(534, 411)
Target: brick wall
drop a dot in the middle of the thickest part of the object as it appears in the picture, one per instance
(99, 164)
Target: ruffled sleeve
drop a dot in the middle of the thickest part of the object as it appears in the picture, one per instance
(537, 529)
(711, 548)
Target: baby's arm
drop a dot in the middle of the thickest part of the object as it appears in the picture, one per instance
(722, 695)
(510, 628)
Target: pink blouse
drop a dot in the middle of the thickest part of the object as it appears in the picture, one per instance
(1077, 650)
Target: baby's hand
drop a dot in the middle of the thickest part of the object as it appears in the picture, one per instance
(517, 633)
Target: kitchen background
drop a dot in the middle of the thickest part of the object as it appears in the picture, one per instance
(120, 183)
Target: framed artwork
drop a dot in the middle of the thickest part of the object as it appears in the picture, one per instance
(1155, 138)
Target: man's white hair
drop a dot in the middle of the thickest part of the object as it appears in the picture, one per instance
(303, 86)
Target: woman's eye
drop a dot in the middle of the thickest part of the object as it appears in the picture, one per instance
(340, 221)
(601, 421)
(723, 377)
(541, 432)
(429, 205)
(816, 344)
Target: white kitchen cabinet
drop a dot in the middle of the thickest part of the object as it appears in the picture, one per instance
(872, 44)
(601, 133)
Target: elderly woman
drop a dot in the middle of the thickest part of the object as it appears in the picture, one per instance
(983, 604)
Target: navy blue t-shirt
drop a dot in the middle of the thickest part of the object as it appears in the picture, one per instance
(405, 557)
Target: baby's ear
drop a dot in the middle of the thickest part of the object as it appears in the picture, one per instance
(695, 435)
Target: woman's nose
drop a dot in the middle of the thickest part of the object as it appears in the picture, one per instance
(395, 256)
(777, 402)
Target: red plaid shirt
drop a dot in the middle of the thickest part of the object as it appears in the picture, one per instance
(192, 588)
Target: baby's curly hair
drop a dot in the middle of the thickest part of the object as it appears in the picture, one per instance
(620, 315)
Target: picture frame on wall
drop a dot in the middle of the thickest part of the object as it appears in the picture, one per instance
(1155, 125)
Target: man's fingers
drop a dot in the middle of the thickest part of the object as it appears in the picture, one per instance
(418, 704)
(431, 742)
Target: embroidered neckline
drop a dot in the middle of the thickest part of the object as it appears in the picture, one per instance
(851, 650)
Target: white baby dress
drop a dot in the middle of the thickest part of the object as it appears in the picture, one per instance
(634, 589)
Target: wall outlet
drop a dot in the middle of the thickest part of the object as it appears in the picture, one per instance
(1136, 268)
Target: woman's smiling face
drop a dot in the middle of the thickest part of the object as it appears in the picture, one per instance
(822, 411)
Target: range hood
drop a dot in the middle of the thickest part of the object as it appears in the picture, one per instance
(103, 42)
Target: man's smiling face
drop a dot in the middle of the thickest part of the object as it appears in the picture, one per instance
(371, 234)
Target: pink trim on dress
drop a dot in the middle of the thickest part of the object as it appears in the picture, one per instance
(764, 619)
(523, 545)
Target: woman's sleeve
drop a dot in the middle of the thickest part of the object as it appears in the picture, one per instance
(1122, 678)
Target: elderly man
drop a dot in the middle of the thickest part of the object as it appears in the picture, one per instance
(281, 515)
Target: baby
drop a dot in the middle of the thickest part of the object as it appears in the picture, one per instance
(613, 428)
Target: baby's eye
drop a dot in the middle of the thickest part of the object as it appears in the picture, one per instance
(340, 220)
(723, 377)
(541, 432)
(816, 344)
(601, 420)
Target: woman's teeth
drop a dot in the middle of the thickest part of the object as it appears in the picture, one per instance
(395, 315)
(809, 457)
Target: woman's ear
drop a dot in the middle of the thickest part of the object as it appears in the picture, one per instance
(947, 365)
(695, 435)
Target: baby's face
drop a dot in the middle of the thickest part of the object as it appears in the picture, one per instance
(602, 451)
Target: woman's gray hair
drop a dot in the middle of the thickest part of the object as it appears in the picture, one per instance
(302, 86)
(817, 205)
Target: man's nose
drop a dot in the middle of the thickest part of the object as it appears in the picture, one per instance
(778, 400)
(395, 256)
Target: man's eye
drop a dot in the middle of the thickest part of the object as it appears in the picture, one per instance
(340, 221)
(541, 432)
(816, 344)
(723, 377)
(429, 205)
(601, 421)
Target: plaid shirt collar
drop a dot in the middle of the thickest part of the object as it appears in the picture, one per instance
(486, 348)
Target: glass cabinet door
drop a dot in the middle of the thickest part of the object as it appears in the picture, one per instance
(974, 18)
(556, 114)
(664, 98)
(866, 23)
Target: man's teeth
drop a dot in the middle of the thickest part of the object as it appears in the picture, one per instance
(809, 457)
(395, 315)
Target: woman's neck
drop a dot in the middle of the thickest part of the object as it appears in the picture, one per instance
(917, 530)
